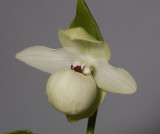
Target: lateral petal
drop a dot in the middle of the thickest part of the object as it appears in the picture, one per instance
(114, 79)
(46, 59)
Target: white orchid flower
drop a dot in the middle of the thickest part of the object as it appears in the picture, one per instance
(80, 73)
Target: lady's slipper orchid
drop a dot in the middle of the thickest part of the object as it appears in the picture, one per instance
(81, 73)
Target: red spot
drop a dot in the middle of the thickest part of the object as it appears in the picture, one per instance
(77, 68)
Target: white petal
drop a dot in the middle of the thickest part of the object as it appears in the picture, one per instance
(114, 79)
(46, 59)
(71, 92)
(79, 39)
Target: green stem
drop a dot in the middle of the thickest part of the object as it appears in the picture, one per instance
(92, 123)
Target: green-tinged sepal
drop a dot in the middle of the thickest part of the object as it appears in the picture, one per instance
(99, 99)
(81, 41)
(20, 132)
(85, 19)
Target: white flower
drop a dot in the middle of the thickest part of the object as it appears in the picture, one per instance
(81, 73)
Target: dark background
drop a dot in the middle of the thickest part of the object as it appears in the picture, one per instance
(132, 30)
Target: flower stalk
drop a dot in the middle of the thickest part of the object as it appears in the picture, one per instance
(92, 123)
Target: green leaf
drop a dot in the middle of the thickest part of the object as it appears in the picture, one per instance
(85, 19)
(20, 132)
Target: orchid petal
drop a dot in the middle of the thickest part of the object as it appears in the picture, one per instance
(99, 99)
(46, 59)
(114, 79)
(79, 39)
(71, 92)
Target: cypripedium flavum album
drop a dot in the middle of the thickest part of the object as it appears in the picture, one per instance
(80, 70)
